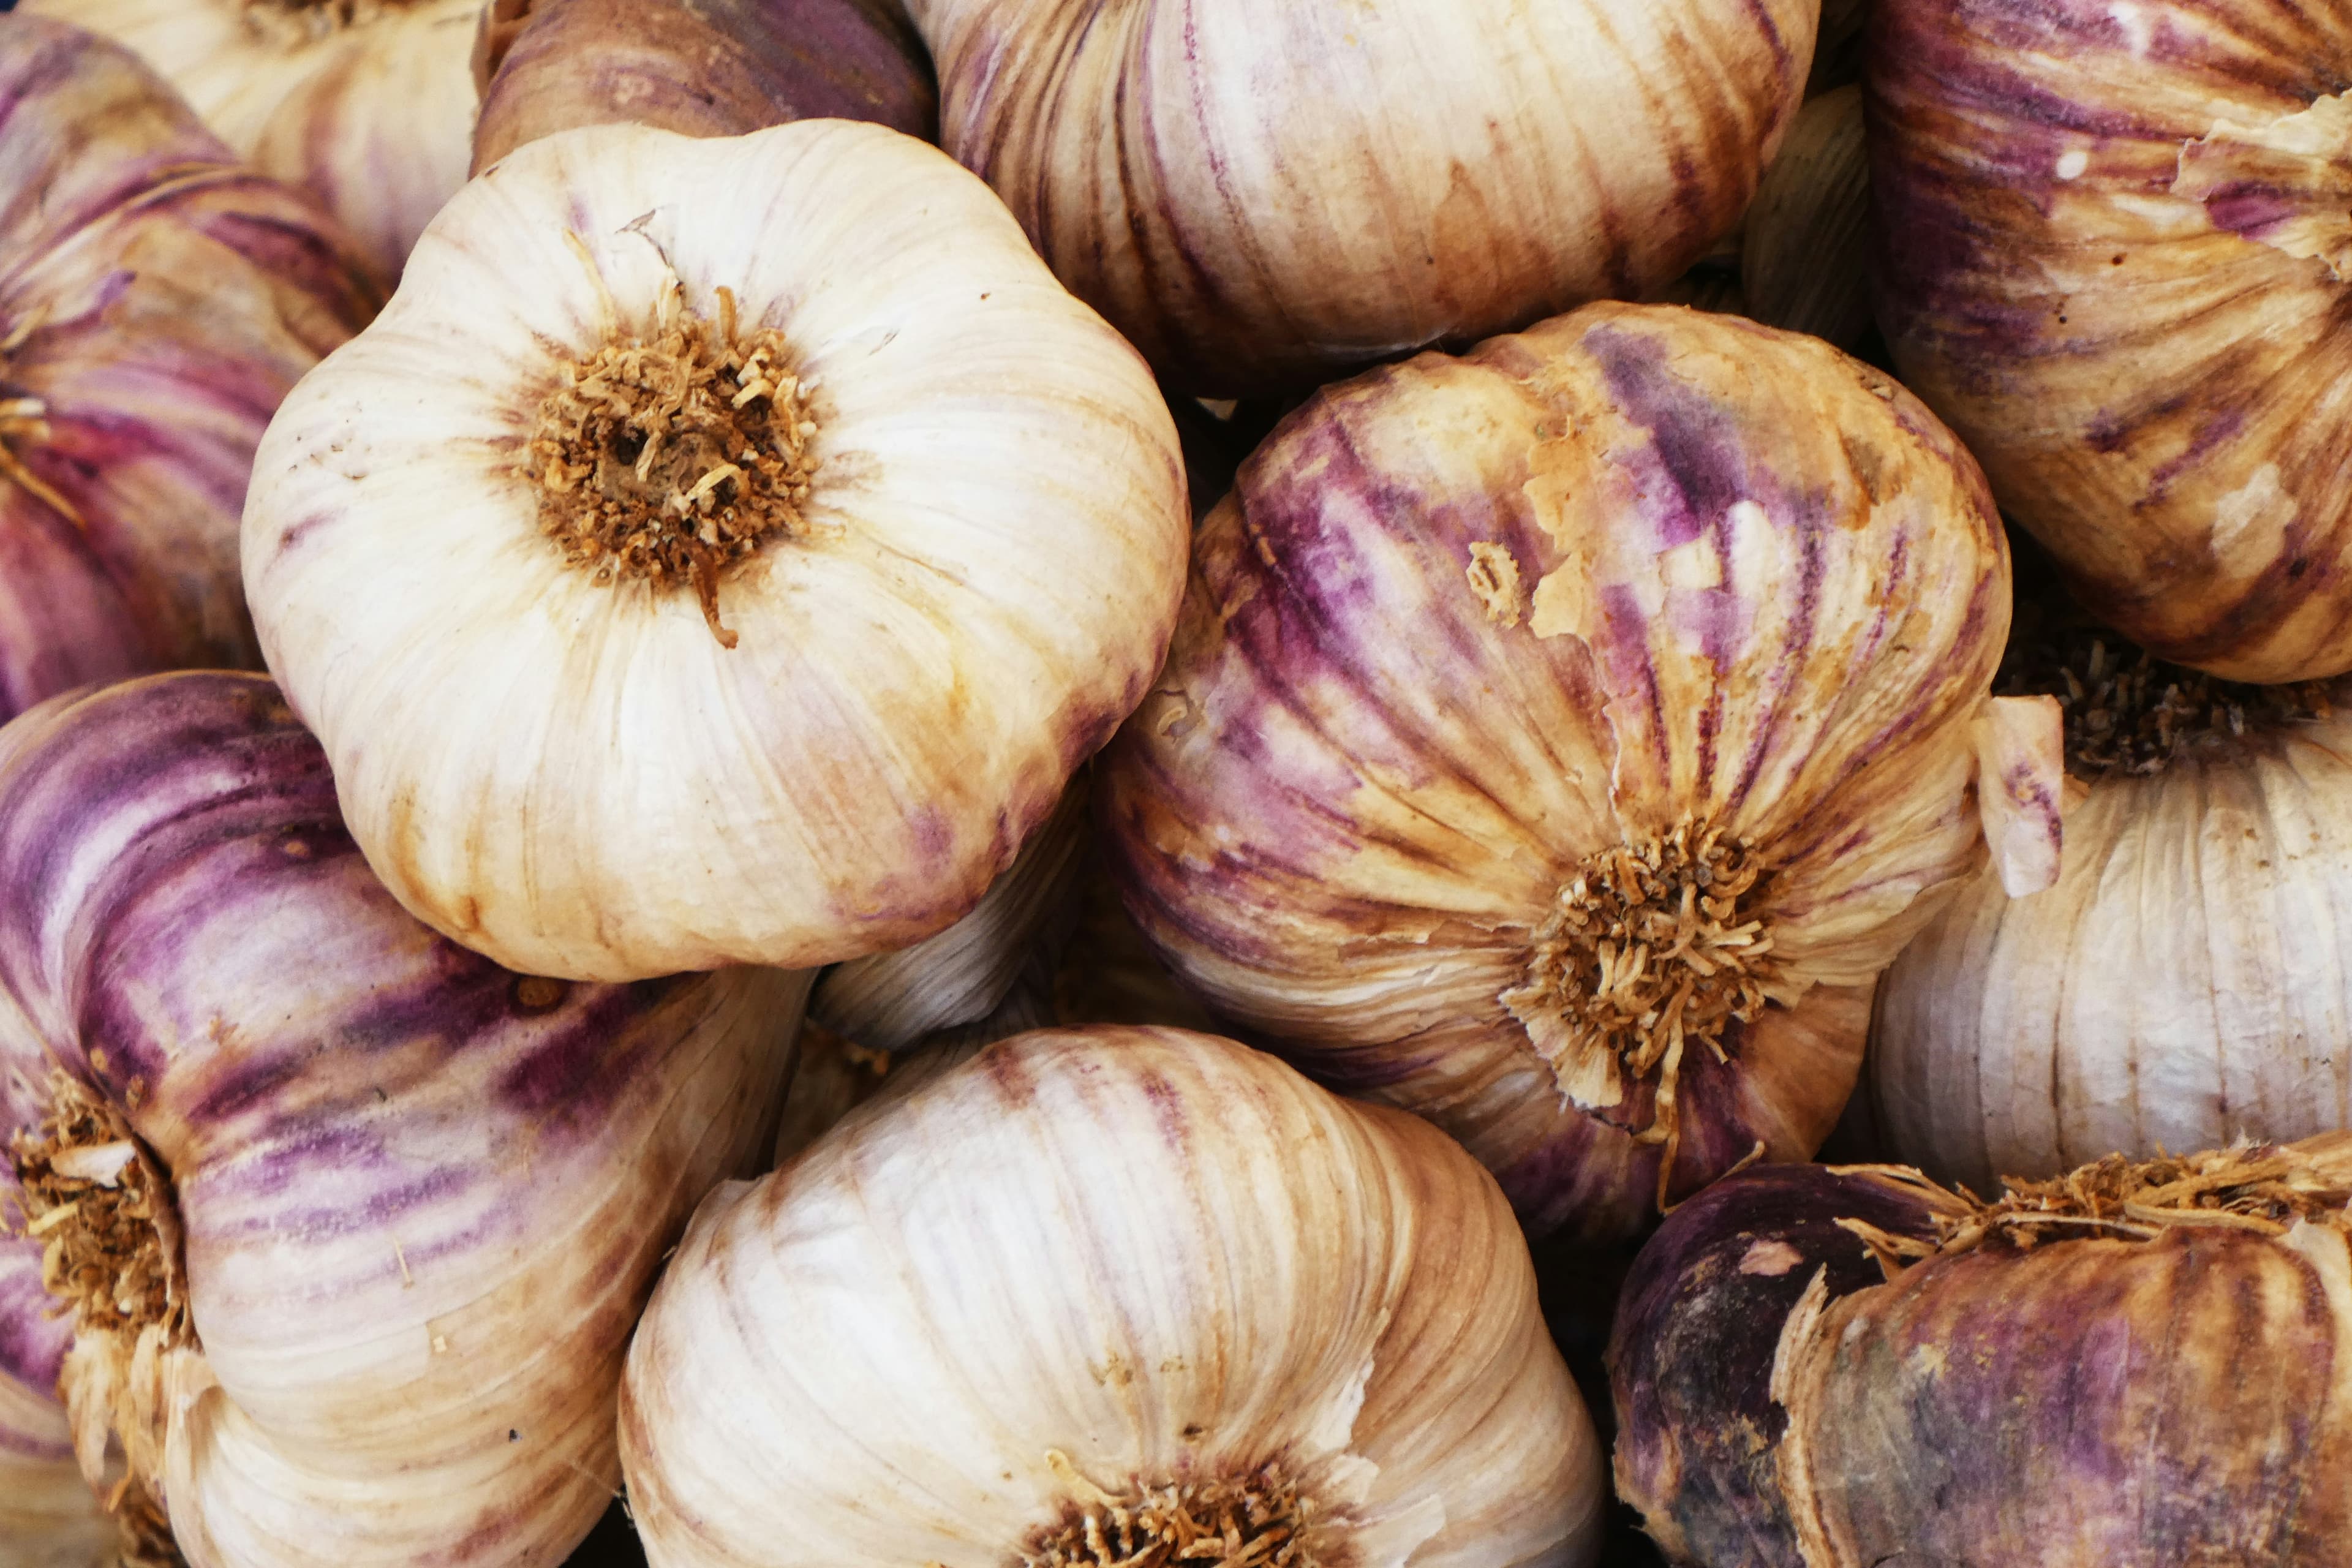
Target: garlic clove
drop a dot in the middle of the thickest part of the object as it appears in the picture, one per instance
(975, 588)
(713, 67)
(396, 1208)
(1804, 261)
(1089, 1261)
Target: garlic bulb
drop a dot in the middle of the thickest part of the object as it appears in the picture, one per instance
(354, 1224)
(155, 303)
(48, 1516)
(2138, 1366)
(2188, 979)
(368, 105)
(702, 68)
(1102, 1296)
(2113, 244)
(718, 551)
(1259, 196)
(1804, 261)
(1558, 741)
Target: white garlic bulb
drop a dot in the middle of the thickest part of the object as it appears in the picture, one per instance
(778, 661)
(367, 104)
(1095, 1284)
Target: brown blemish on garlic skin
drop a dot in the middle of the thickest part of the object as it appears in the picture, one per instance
(667, 456)
(1258, 1520)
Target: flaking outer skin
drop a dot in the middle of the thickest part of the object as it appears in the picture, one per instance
(700, 68)
(1690, 1356)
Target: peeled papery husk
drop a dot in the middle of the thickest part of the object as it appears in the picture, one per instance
(1261, 198)
(2130, 1367)
(366, 105)
(2188, 980)
(700, 68)
(1473, 637)
(1088, 1264)
(409, 1203)
(156, 301)
(1804, 257)
(2112, 243)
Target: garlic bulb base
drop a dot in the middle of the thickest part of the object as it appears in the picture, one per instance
(293, 23)
(1256, 1520)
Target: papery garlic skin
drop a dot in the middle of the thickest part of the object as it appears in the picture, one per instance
(1466, 624)
(156, 301)
(422, 1198)
(2187, 982)
(49, 1518)
(2112, 246)
(367, 105)
(1121, 1255)
(1261, 198)
(578, 779)
(2095, 1401)
(701, 68)
(1805, 252)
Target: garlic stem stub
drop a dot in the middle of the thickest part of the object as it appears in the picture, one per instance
(1264, 197)
(701, 68)
(720, 551)
(366, 105)
(1558, 741)
(156, 300)
(2135, 1365)
(352, 1225)
(2185, 982)
(1108, 1296)
(2112, 252)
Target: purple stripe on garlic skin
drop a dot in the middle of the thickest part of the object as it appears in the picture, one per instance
(1465, 624)
(708, 68)
(422, 1196)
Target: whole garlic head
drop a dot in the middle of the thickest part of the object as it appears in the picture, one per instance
(2116, 253)
(156, 300)
(1093, 1284)
(354, 1225)
(1558, 741)
(1261, 196)
(2187, 982)
(368, 105)
(718, 551)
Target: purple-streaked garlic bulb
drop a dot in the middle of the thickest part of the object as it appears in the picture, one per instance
(156, 301)
(2116, 253)
(2136, 1365)
(1267, 195)
(2189, 980)
(367, 105)
(720, 551)
(353, 1225)
(701, 68)
(1108, 1296)
(1557, 741)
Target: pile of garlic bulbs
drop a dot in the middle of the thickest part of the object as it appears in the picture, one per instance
(1010, 783)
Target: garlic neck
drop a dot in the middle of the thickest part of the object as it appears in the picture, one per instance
(667, 455)
(1254, 1520)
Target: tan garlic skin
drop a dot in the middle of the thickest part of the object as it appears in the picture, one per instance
(2094, 1403)
(1261, 198)
(700, 68)
(1805, 247)
(1465, 623)
(367, 105)
(1147, 1255)
(156, 301)
(2188, 981)
(2113, 252)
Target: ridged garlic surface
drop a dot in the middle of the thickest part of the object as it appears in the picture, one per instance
(720, 551)
(2116, 253)
(702, 68)
(1263, 197)
(354, 1286)
(1089, 1270)
(156, 301)
(1560, 740)
(367, 105)
(2189, 980)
